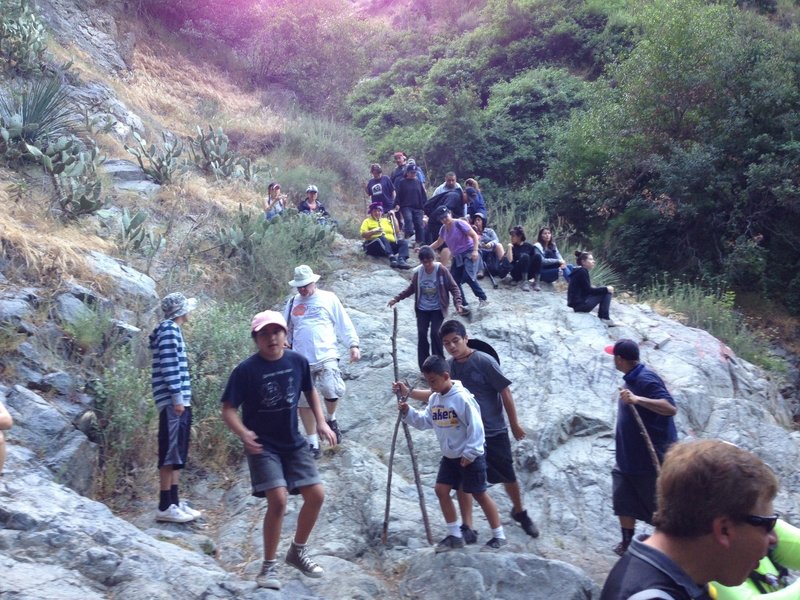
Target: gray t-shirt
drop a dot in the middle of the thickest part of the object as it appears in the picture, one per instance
(428, 294)
(481, 375)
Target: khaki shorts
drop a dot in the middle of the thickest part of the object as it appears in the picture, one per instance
(327, 378)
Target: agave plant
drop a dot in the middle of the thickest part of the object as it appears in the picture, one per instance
(37, 115)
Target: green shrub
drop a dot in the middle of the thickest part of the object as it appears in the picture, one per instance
(23, 39)
(266, 252)
(217, 339)
(127, 423)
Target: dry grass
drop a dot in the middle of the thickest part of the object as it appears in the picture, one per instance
(47, 252)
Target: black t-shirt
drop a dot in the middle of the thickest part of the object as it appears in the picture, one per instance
(268, 392)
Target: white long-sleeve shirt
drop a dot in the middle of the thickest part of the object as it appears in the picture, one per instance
(315, 323)
(456, 419)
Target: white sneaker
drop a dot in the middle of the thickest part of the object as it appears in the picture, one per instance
(173, 514)
(195, 514)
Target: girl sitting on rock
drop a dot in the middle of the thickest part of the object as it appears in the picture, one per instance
(546, 261)
(581, 296)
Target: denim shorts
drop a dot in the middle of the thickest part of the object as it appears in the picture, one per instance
(293, 470)
(471, 479)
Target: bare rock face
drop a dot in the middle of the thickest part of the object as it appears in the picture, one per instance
(92, 27)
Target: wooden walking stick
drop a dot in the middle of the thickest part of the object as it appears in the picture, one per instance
(410, 443)
(648, 442)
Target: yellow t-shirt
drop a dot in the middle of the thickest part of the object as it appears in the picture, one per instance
(385, 224)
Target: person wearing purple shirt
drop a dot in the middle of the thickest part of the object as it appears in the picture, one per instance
(463, 242)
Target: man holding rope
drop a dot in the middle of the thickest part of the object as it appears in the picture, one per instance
(645, 429)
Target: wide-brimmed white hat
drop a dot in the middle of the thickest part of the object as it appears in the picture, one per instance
(176, 305)
(303, 275)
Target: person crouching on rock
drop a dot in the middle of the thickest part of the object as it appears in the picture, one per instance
(454, 416)
(581, 296)
(267, 387)
(380, 238)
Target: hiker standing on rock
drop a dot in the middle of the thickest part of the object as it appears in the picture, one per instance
(715, 521)
(432, 285)
(482, 376)
(172, 392)
(267, 387)
(634, 476)
(315, 319)
(455, 418)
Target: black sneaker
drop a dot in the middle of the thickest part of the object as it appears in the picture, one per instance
(297, 556)
(451, 542)
(621, 548)
(527, 523)
(469, 535)
(335, 427)
(315, 451)
(494, 544)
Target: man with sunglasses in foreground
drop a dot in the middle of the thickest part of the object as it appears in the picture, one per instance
(714, 522)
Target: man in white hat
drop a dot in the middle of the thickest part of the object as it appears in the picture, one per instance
(316, 319)
(172, 392)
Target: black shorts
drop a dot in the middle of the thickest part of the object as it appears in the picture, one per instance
(471, 479)
(293, 470)
(634, 495)
(499, 461)
(173, 437)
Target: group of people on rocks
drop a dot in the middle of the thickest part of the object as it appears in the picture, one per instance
(276, 203)
(457, 228)
(710, 502)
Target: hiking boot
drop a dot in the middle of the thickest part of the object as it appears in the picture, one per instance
(335, 427)
(483, 303)
(402, 263)
(173, 514)
(451, 542)
(315, 451)
(526, 522)
(268, 575)
(297, 556)
(494, 544)
(621, 548)
(393, 262)
(469, 535)
(526, 287)
(195, 514)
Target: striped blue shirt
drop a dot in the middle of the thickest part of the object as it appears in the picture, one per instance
(170, 366)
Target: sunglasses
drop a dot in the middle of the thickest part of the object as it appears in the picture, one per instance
(768, 523)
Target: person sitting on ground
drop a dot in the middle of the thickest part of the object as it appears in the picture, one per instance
(474, 198)
(463, 243)
(453, 414)
(546, 261)
(379, 237)
(714, 522)
(517, 262)
(432, 285)
(275, 202)
(380, 188)
(312, 206)
(492, 251)
(581, 296)
(481, 374)
(5, 423)
(770, 580)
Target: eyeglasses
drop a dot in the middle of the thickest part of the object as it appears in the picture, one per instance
(302, 287)
(768, 523)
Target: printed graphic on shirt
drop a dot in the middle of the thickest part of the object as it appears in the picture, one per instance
(278, 391)
(444, 417)
(377, 189)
